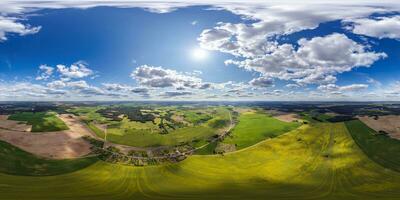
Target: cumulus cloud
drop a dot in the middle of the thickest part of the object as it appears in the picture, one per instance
(77, 84)
(176, 93)
(10, 25)
(380, 27)
(314, 61)
(292, 86)
(262, 82)
(159, 77)
(125, 89)
(273, 93)
(116, 87)
(44, 72)
(310, 61)
(140, 90)
(56, 84)
(346, 88)
(27, 91)
(76, 70)
(252, 41)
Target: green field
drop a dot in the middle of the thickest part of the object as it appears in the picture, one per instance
(198, 125)
(380, 148)
(142, 138)
(40, 121)
(19, 162)
(255, 127)
(89, 114)
(312, 162)
(315, 117)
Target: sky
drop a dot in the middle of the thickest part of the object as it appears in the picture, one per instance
(200, 50)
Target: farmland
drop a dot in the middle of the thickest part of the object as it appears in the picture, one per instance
(20, 162)
(255, 127)
(199, 100)
(40, 121)
(168, 126)
(319, 161)
(198, 152)
(380, 148)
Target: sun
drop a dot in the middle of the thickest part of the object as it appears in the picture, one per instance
(199, 54)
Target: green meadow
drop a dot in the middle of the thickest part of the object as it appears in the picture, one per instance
(312, 162)
(40, 121)
(254, 127)
(144, 138)
(194, 125)
(18, 162)
(380, 148)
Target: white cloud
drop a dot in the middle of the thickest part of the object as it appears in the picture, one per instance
(78, 84)
(273, 93)
(374, 82)
(292, 86)
(44, 72)
(76, 70)
(380, 27)
(346, 88)
(10, 25)
(175, 93)
(315, 61)
(262, 82)
(125, 89)
(116, 87)
(27, 91)
(140, 90)
(56, 84)
(253, 42)
(159, 77)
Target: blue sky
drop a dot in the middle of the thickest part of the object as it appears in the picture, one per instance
(193, 51)
(110, 38)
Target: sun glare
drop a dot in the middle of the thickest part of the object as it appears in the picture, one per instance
(199, 54)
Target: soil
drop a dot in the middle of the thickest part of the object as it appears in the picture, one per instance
(387, 123)
(13, 125)
(56, 145)
(287, 117)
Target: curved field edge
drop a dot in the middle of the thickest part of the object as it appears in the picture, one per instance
(256, 127)
(40, 121)
(379, 148)
(313, 162)
(19, 162)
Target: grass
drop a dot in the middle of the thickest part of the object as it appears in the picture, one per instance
(40, 121)
(18, 162)
(380, 148)
(89, 114)
(315, 117)
(255, 127)
(196, 116)
(96, 130)
(312, 162)
(148, 134)
(208, 149)
(143, 138)
(218, 123)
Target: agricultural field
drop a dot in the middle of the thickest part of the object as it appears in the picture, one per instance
(315, 161)
(152, 127)
(197, 152)
(199, 100)
(20, 162)
(140, 138)
(387, 124)
(379, 147)
(40, 121)
(254, 127)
